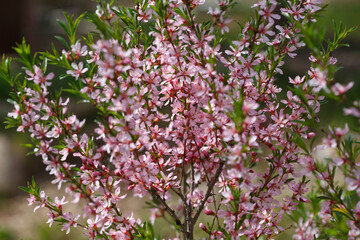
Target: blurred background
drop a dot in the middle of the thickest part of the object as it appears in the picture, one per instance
(36, 21)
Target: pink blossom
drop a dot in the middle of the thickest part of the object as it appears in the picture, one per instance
(70, 222)
(78, 70)
(353, 183)
(267, 13)
(223, 24)
(16, 112)
(352, 111)
(39, 78)
(295, 11)
(51, 218)
(339, 132)
(297, 80)
(339, 89)
(317, 79)
(42, 201)
(78, 50)
(59, 203)
(306, 229)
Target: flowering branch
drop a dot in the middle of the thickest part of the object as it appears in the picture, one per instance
(176, 114)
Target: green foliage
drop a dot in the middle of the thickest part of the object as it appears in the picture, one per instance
(70, 27)
(146, 232)
(32, 188)
(25, 57)
(6, 234)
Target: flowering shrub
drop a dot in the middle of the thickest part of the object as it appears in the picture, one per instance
(200, 128)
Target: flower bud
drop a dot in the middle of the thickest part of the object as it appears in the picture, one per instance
(209, 212)
(310, 135)
(202, 226)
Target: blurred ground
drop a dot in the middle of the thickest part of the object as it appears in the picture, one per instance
(36, 20)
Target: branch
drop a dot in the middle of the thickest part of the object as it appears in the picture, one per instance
(172, 213)
(208, 192)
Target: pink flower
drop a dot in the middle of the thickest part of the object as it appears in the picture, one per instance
(39, 78)
(297, 80)
(51, 218)
(317, 79)
(267, 13)
(31, 200)
(353, 183)
(328, 142)
(78, 70)
(42, 201)
(16, 112)
(214, 12)
(223, 24)
(352, 111)
(295, 11)
(64, 153)
(78, 50)
(339, 132)
(70, 222)
(54, 132)
(101, 13)
(265, 216)
(59, 203)
(339, 89)
(198, 2)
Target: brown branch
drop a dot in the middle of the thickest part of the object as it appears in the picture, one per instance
(208, 192)
(169, 210)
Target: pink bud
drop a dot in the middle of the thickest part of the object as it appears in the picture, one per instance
(310, 135)
(209, 212)
(202, 226)
(313, 59)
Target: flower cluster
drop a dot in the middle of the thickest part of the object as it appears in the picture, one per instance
(199, 128)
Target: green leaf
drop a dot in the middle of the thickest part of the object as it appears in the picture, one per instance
(5, 71)
(25, 189)
(63, 41)
(104, 29)
(341, 211)
(64, 27)
(300, 142)
(71, 27)
(28, 145)
(23, 50)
